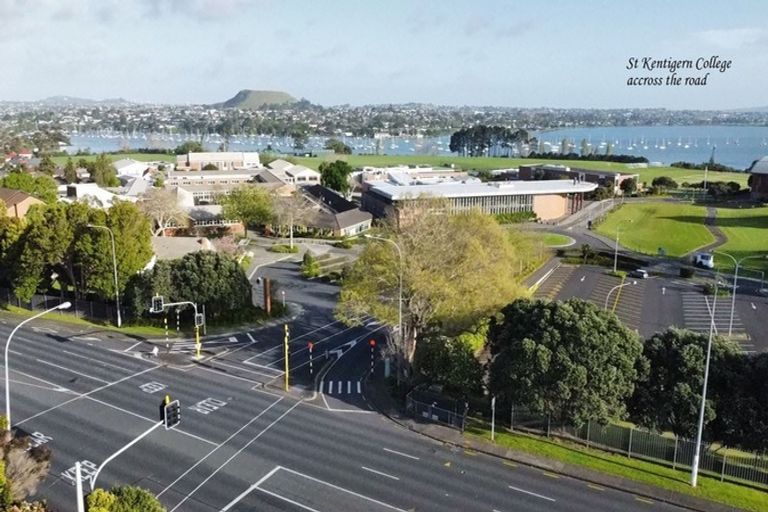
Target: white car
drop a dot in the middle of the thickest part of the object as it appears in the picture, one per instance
(704, 259)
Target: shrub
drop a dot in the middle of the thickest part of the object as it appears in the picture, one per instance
(514, 217)
(709, 289)
(618, 273)
(309, 266)
(344, 244)
(25, 469)
(283, 248)
(687, 272)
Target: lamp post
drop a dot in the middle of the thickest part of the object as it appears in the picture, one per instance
(697, 449)
(400, 300)
(737, 263)
(608, 295)
(114, 268)
(616, 246)
(63, 305)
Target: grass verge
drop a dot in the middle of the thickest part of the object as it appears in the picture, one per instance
(633, 469)
(556, 240)
(745, 229)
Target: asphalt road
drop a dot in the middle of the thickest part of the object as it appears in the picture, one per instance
(242, 446)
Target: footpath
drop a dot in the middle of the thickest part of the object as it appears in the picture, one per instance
(378, 396)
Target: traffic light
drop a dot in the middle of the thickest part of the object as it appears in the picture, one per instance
(157, 304)
(172, 414)
(199, 320)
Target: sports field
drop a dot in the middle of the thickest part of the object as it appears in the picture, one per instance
(747, 233)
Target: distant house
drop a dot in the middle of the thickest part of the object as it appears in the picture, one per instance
(92, 194)
(223, 161)
(16, 202)
(758, 179)
(130, 168)
(338, 215)
(291, 173)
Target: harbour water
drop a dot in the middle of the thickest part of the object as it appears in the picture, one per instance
(735, 146)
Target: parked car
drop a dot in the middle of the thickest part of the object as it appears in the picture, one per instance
(704, 260)
(639, 273)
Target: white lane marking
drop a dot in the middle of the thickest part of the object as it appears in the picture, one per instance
(250, 337)
(238, 452)
(126, 411)
(43, 381)
(236, 377)
(57, 389)
(358, 388)
(219, 446)
(62, 404)
(133, 346)
(401, 454)
(232, 339)
(338, 387)
(349, 387)
(268, 375)
(45, 329)
(70, 370)
(99, 361)
(250, 489)
(531, 493)
(288, 500)
(380, 473)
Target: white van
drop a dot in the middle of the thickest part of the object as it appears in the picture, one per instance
(704, 259)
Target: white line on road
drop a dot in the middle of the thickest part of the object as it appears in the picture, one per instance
(57, 389)
(338, 388)
(99, 361)
(250, 337)
(359, 389)
(349, 387)
(401, 454)
(133, 346)
(219, 446)
(380, 473)
(70, 370)
(531, 493)
(238, 452)
(250, 489)
(62, 404)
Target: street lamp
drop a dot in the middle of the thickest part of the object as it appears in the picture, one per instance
(402, 264)
(616, 246)
(608, 295)
(63, 305)
(735, 279)
(695, 468)
(114, 267)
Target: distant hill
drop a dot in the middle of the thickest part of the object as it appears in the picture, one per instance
(751, 109)
(71, 101)
(250, 99)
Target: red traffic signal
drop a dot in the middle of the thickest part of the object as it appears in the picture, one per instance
(372, 343)
(310, 345)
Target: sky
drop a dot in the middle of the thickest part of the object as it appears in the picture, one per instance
(554, 53)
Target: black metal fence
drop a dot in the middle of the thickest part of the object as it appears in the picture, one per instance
(94, 310)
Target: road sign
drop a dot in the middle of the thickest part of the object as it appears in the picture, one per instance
(172, 414)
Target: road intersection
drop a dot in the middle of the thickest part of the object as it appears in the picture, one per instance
(243, 444)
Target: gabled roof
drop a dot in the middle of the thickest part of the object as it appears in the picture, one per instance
(12, 197)
(760, 166)
(330, 198)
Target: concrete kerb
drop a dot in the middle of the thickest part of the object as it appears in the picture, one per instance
(588, 476)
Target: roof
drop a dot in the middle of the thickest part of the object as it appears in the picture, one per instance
(126, 162)
(268, 176)
(11, 196)
(221, 156)
(352, 218)
(577, 170)
(330, 198)
(760, 166)
(474, 189)
(214, 174)
(279, 164)
(172, 247)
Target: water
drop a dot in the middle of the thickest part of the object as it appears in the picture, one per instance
(735, 146)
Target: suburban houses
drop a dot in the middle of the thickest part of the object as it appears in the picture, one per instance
(16, 202)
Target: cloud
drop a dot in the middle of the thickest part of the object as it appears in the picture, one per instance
(735, 38)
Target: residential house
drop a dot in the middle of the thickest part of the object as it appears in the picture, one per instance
(758, 179)
(16, 202)
(337, 214)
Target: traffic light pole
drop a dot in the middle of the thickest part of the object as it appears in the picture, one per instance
(121, 450)
(199, 319)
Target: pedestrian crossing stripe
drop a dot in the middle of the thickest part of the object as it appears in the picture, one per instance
(340, 387)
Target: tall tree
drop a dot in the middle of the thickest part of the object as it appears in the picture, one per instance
(668, 393)
(189, 146)
(250, 204)
(455, 270)
(42, 187)
(568, 359)
(334, 175)
(163, 209)
(338, 147)
(292, 210)
(70, 172)
(46, 165)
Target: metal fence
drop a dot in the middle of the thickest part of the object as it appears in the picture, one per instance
(95, 310)
(436, 408)
(674, 452)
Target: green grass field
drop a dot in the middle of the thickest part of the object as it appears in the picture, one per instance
(747, 232)
(654, 474)
(556, 240)
(141, 157)
(677, 227)
(467, 163)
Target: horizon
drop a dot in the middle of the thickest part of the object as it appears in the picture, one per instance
(559, 55)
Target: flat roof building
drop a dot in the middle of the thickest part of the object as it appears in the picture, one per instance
(610, 179)
(547, 200)
(223, 161)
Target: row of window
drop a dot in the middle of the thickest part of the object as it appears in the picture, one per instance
(493, 204)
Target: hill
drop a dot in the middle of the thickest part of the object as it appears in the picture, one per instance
(250, 99)
(70, 101)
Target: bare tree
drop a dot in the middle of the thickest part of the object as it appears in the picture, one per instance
(293, 210)
(163, 208)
